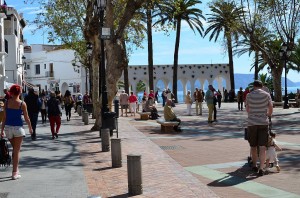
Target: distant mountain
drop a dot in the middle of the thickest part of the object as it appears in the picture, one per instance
(242, 80)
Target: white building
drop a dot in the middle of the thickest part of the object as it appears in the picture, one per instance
(3, 53)
(13, 45)
(50, 68)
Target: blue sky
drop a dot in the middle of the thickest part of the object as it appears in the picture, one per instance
(193, 48)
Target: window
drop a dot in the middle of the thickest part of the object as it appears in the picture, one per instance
(6, 46)
(28, 66)
(45, 66)
(37, 69)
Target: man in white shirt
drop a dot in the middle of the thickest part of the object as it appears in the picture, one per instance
(124, 102)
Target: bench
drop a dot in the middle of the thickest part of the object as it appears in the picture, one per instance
(167, 126)
(144, 115)
(276, 104)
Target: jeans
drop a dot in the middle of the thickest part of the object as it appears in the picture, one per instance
(44, 115)
(240, 105)
(33, 120)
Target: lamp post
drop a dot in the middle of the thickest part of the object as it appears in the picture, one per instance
(23, 67)
(108, 118)
(284, 54)
(89, 50)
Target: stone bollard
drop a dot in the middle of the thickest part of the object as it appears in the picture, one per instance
(82, 115)
(116, 153)
(79, 110)
(105, 140)
(134, 171)
(85, 117)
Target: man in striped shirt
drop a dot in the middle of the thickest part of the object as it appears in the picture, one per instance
(259, 107)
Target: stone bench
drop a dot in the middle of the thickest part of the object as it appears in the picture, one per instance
(293, 104)
(144, 115)
(167, 126)
(277, 104)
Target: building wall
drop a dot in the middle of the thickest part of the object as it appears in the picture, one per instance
(187, 74)
(13, 35)
(65, 75)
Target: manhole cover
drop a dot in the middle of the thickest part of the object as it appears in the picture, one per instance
(174, 147)
(3, 195)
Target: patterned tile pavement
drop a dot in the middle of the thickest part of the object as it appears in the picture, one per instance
(202, 161)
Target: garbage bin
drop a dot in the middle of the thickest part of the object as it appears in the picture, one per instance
(116, 102)
(109, 121)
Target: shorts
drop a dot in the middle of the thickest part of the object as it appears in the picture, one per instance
(258, 135)
(14, 131)
(124, 106)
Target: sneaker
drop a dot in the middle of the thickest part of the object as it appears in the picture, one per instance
(261, 172)
(255, 169)
(16, 176)
(278, 168)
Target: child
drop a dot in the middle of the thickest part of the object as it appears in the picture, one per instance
(271, 155)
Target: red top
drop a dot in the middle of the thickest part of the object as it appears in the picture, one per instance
(132, 98)
(151, 95)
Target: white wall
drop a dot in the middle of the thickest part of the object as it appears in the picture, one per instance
(64, 74)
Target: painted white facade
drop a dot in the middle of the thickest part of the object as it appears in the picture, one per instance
(187, 73)
(2, 51)
(13, 49)
(50, 68)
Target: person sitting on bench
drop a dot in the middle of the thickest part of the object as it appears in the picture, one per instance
(149, 107)
(169, 114)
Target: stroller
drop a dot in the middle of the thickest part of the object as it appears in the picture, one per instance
(249, 158)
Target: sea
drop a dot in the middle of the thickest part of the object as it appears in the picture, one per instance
(181, 99)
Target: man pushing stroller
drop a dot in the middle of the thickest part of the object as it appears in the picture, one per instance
(259, 107)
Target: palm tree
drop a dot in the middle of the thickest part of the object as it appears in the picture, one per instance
(294, 63)
(225, 17)
(174, 12)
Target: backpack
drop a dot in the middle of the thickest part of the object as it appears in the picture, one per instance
(5, 158)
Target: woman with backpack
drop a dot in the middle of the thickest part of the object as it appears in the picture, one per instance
(13, 125)
(68, 104)
(54, 113)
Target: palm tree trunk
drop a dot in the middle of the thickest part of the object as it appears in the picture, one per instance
(175, 67)
(150, 45)
(230, 57)
(256, 66)
(276, 74)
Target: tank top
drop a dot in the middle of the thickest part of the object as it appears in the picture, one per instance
(14, 116)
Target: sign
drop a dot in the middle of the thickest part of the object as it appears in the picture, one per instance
(105, 33)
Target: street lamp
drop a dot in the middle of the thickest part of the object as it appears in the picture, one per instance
(89, 50)
(23, 67)
(284, 54)
(108, 118)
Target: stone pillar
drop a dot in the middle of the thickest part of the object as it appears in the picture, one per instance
(105, 140)
(82, 114)
(116, 153)
(85, 117)
(79, 110)
(134, 171)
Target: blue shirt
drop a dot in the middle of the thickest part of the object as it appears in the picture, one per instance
(14, 116)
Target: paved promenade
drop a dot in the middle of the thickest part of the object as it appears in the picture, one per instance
(202, 161)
